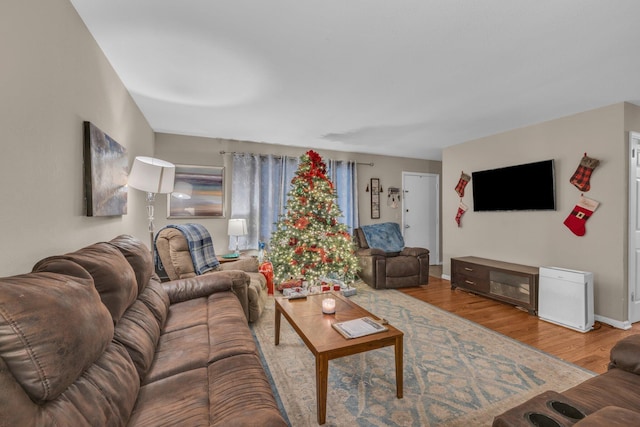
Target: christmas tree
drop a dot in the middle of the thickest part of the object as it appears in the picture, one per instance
(309, 241)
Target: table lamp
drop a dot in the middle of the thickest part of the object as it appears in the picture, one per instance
(237, 228)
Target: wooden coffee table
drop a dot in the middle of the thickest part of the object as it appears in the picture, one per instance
(314, 327)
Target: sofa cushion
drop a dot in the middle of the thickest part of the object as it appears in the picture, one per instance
(229, 332)
(385, 236)
(226, 391)
(138, 256)
(178, 400)
(156, 299)
(186, 314)
(52, 328)
(62, 266)
(103, 396)
(113, 277)
(138, 330)
(180, 351)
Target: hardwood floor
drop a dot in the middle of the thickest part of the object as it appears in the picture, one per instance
(589, 350)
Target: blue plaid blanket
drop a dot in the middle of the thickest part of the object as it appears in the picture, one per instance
(200, 247)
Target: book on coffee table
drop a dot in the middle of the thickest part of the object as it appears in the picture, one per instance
(359, 327)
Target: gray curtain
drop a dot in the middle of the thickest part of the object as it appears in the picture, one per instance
(345, 180)
(245, 196)
(259, 188)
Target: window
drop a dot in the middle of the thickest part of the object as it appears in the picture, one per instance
(259, 187)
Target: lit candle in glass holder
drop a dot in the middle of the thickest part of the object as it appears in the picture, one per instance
(328, 305)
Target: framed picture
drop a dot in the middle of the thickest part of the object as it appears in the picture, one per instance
(106, 168)
(375, 198)
(198, 192)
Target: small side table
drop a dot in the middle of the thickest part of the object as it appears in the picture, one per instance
(223, 260)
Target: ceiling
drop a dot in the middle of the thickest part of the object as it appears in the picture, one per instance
(391, 77)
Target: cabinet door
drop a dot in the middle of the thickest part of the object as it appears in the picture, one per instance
(512, 286)
(471, 276)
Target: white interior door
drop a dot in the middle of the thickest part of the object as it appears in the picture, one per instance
(634, 228)
(420, 212)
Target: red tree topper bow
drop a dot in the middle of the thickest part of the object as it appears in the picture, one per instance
(318, 169)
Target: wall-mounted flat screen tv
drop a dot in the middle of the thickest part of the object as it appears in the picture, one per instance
(524, 187)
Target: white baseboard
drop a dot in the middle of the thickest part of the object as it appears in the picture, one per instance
(445, 277)
(615, 323)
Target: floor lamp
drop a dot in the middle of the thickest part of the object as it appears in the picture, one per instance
(153, 176)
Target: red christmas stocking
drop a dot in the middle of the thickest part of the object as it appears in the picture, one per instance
(462, 208)
(582, 175)
(580, 214)
(462, 182)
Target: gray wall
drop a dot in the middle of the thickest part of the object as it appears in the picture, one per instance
(540, 238)
(192, 150)
(54, 77)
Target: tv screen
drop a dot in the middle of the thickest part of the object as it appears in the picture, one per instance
(524, 187)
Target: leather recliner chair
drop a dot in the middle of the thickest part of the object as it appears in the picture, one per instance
(381, 268)
(173, 250)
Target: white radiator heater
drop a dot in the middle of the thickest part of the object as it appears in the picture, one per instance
(565, 297)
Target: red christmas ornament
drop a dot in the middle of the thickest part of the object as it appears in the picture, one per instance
(302, 223)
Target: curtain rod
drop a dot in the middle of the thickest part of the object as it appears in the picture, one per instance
(277, 156)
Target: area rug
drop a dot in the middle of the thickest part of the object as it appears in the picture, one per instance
(456, 373)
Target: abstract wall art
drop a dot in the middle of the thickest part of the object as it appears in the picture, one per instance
(198, 192)
(106, 167)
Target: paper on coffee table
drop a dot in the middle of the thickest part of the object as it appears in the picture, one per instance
(358, 327)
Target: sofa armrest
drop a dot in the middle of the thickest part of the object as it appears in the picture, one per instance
(625, 354)
(202, 286)
(414, 252)
(248, 265)
(610, 416)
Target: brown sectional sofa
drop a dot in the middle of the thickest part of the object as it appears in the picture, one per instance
(92, 338)
(607, 400)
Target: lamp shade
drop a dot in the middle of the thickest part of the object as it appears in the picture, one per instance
(182, 190)
(152, 175)
(237, 227)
